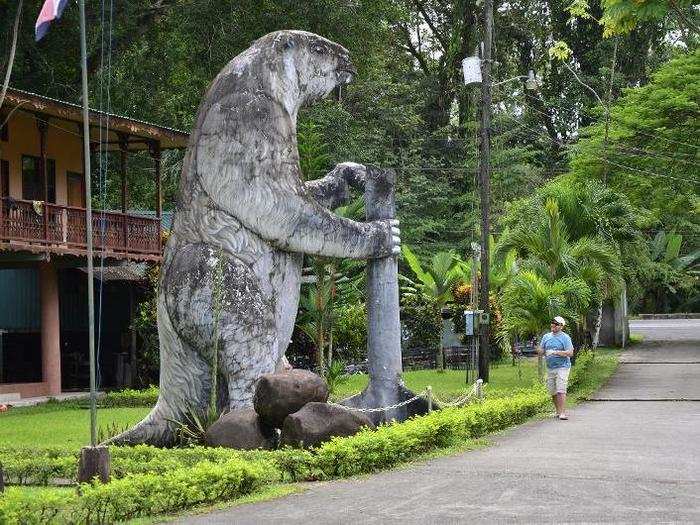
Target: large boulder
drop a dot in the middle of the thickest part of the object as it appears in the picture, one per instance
(278, 395)
(241, 429)
(319, 422)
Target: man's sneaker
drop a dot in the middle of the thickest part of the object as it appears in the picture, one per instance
(563, 417)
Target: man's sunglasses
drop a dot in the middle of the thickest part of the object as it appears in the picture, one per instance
(558, 324)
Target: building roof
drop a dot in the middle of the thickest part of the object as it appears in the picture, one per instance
(140, 132)
(127, 271)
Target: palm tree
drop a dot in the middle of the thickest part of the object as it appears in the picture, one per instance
(550, 252)
(530, 302)
(434, 281)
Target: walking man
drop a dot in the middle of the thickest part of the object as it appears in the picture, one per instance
(557, 349)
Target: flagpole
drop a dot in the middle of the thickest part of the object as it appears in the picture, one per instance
(88, 227)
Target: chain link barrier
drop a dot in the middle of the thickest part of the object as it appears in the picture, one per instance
(422, 394)
(476, 392)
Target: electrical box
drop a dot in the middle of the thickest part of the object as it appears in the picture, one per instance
(484, 318)
(470, 322)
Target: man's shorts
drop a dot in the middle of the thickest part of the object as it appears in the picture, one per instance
(557, 378)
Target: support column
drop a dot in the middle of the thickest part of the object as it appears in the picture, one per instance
(123, 152)
(155, 153)
(50, 328)
(43, 129)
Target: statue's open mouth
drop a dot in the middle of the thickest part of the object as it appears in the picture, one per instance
(345, 76)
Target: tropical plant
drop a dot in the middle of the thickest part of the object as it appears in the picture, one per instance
(530, 301)
(435, 282)
(549, 251)
(192, 428)
(437, 279)
(330, 283)
(667, 248)
(335, 375)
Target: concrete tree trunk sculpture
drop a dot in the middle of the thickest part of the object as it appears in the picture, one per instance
(245, 213)
(386, 387)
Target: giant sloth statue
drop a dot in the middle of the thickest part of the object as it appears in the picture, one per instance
(245, 215)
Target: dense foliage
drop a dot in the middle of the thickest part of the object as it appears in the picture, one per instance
(409, 109)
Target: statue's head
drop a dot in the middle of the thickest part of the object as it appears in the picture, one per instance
(311, 66)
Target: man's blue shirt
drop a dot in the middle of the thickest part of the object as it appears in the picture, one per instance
(558, 342)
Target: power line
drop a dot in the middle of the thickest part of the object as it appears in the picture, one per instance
(543, 135)
(588, 113)
(629, 151)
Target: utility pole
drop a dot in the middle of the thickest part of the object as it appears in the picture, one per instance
(485, 186)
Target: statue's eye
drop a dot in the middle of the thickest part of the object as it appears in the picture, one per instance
(318, 49)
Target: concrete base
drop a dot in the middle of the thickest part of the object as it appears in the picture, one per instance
(94, 463)
(25, 389)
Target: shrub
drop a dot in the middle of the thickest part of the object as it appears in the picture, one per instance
(138, 494)
(26, 465)
(151, 494)
(17, 506)
(130, 398)
(584, 361)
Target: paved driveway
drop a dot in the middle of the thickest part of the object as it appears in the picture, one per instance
(615, 460)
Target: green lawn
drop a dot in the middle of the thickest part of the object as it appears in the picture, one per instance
(504, 379)
(52, 425)
(56, 425)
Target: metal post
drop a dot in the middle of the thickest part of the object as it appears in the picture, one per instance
(474, 301)
(429, 391)
(88, 228)
(94, 461)
(485, 179)
(2, 357)
(479, 389)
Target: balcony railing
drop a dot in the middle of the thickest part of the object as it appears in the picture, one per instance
(62, 229)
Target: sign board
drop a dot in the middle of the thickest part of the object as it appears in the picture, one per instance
(471, 69)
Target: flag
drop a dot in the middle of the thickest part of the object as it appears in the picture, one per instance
(52, 10)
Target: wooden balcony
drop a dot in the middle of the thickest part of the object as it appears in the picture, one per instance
(34, 226)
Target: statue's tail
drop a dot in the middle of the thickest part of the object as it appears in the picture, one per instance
(155, 429)
(184, 386)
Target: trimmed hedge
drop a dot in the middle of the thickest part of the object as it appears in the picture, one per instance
(27, 465)
(130, 398)
(156, 481)
(139, 494)
(370, 450)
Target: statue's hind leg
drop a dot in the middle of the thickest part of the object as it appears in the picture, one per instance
(206, 296)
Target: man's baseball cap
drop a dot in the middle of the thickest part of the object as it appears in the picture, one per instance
(559, 320)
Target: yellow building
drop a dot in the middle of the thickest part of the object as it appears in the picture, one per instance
(43, 216)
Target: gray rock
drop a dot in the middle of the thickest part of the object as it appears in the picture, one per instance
(278, 395)
(241, 429)
(319, 422)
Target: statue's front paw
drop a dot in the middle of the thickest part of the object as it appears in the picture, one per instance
(392, 238)
(353, 173)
